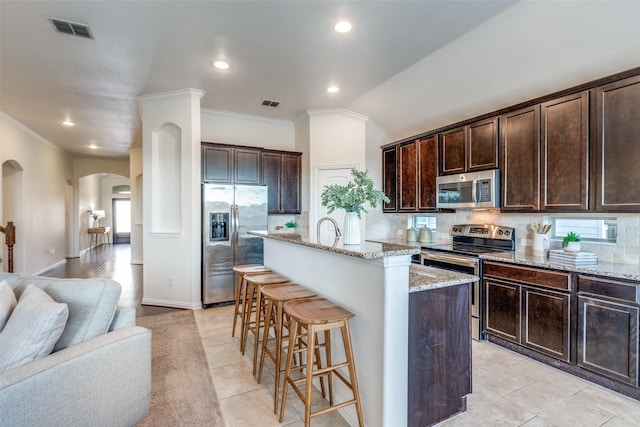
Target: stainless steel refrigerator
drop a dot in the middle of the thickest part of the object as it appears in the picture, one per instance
(228, 212)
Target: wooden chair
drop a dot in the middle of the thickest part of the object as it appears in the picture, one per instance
(241, 291)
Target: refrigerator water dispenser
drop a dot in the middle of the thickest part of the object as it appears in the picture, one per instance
(219, 226)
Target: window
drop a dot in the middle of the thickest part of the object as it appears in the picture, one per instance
(418, 222)
(121, 189)
(603, 230)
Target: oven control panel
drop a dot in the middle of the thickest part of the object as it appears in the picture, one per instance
(483, 230)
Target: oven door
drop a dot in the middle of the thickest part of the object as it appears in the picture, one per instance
(461, 264)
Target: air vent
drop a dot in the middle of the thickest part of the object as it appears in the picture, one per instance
(270, 103)
(73, 28)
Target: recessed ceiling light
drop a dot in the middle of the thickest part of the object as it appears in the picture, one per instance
(221, 65)
(333, 89)
(68, 123)
(342, 27)
(93, 146)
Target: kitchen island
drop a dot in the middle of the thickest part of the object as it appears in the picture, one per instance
(374, 281)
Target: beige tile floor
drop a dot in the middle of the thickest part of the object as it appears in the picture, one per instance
(508, 389)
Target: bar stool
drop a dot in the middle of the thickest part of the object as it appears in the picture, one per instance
(253, 304)
(241, 290)
(276, 296)
(319, 315)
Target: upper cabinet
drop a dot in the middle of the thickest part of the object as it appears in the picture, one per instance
(520, 148)
(281, 173)
(618, 146)
(390, 178)
(469, 148)
(417, 166)
(564, 156)
(231, 165)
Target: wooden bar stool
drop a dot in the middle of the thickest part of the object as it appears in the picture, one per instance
(319, 315)
(241, 291)
(253, 305)
(276, 296)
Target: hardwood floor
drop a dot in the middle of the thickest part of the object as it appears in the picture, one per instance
(110, 262)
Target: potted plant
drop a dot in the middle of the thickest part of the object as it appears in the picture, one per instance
(571, 242)
(351, 198)
(291, 225)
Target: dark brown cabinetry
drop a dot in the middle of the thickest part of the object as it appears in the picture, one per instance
(408, 176)
(520, 148)
(390, 178)
(231, 165)
(470, 148)
(529, 307)
(439, 354)
(608, 328)
(618, 147)
(417, 164)
(281, 173)
(564, 173)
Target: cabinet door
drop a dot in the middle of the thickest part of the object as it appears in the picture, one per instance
(545, 322)
(608, 338)
(618, 150)
(217, 164)
(427, 172)
(408, 176)
(520, 147)
(247, 166)
(271, 173)
(482, 145)
(453, 147)
(502, 309)
(390, 178)
(565, 153)
(290, 183)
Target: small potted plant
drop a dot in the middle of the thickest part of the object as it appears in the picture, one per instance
(571, 242)
(351, 198)
(291, 226)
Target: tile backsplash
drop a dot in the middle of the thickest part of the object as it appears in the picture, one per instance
(626, 250)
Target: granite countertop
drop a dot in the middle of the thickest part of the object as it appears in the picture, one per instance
(366, 250)
(606, 269)
(423, 278)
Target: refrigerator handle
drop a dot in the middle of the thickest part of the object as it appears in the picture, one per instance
(236, 220)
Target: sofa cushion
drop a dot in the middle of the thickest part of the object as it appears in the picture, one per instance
(92, 304)
(33, 328)
(7, 302)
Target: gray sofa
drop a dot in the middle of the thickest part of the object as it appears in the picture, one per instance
(93, 377)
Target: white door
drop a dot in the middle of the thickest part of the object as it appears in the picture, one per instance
(340, 175)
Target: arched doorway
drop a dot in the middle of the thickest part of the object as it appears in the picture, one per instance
(13, 210)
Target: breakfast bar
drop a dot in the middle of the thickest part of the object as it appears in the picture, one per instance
(374, 281)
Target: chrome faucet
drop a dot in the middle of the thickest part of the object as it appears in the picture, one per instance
(335, 227)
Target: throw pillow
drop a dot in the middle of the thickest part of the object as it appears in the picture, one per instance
(33, 328)
(7, 302)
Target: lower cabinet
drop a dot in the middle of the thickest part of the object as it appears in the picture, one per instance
(608, 331)
(529, 307)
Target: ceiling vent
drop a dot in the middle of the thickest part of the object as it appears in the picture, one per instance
(73, 28)
(270, 103)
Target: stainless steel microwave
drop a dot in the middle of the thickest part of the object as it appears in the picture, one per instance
(469, 190)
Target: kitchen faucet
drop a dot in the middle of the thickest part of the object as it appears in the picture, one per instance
(335, 227)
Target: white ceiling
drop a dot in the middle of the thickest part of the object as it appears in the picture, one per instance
(280, 50)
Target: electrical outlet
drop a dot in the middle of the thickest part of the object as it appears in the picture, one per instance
(172, 281)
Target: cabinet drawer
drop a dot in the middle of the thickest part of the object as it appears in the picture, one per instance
(609, 288)
(532, 276)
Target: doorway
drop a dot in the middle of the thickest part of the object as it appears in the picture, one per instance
(121, 221)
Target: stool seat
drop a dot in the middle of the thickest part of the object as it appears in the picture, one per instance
(317, 311)
(251, 268)
(265, 278)
(286, 292)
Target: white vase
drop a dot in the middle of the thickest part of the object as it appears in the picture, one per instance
(573, 247)
(351, 232)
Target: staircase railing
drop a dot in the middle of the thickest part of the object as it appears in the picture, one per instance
(10, 240)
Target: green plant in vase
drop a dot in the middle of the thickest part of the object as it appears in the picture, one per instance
(291, 225)
(352, 197)
(571, 242)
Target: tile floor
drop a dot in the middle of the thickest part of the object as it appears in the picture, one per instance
(508, 389)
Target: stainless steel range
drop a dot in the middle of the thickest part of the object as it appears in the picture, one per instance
(468, 242)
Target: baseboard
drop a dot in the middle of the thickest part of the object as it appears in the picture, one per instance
(51, 267)
(172, 304)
